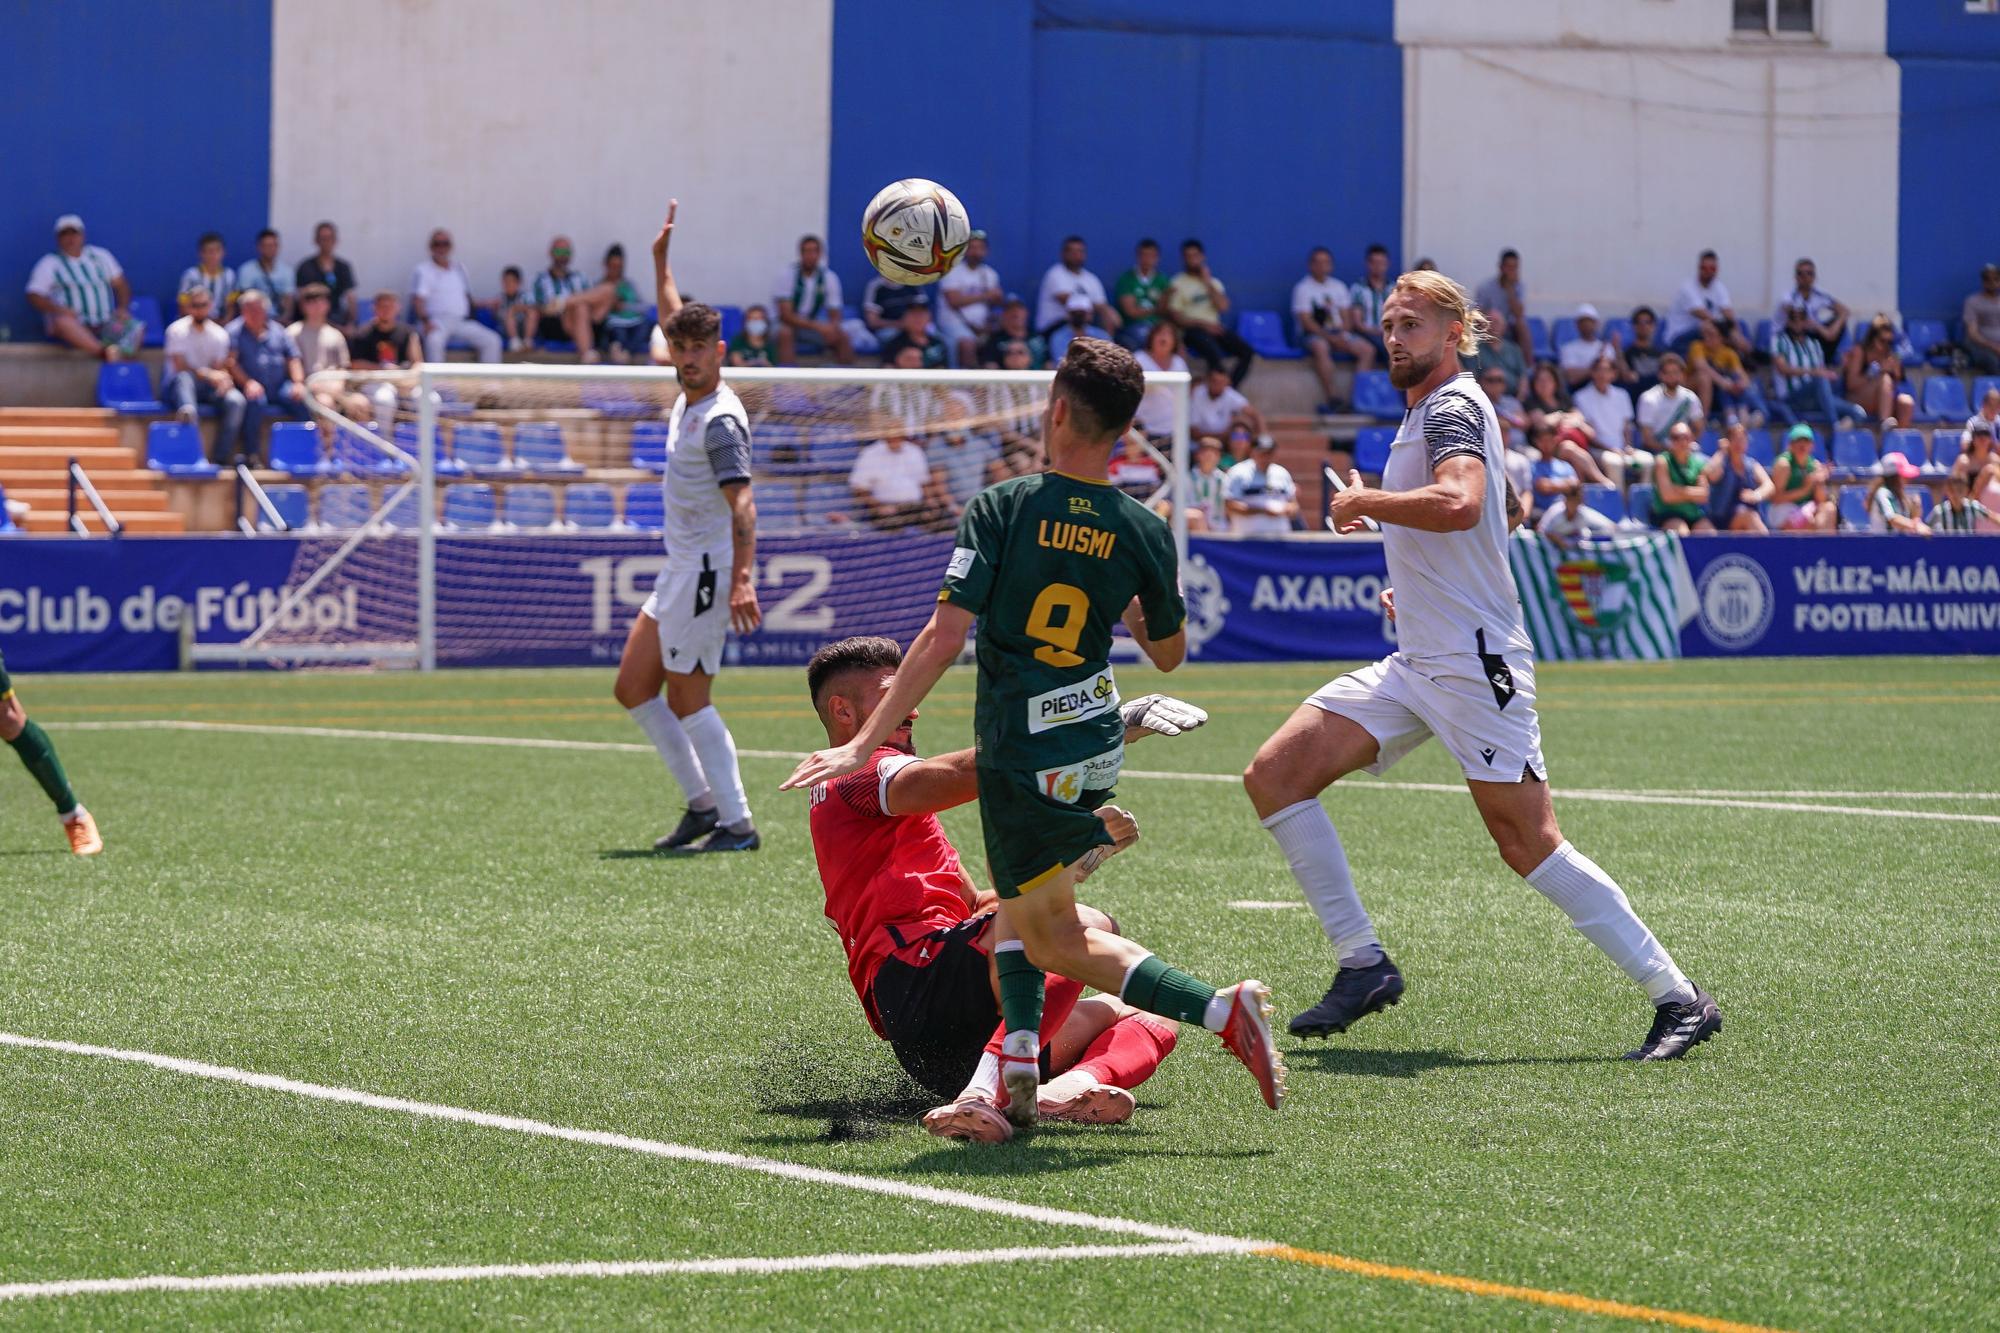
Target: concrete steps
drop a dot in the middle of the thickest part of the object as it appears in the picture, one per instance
(56, 520)
(121, 500)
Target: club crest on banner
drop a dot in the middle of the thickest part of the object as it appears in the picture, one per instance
(1207, 605)
(1596, 591)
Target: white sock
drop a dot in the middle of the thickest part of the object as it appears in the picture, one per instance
(1216, 1016)
(1597, 907)
(985, 1080)
(74, 815)
(1312, 848)
(664, 730)
(709, 735)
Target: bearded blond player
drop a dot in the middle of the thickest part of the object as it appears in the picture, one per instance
(1464, 672)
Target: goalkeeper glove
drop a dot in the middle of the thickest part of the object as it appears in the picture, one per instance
(1161, 714)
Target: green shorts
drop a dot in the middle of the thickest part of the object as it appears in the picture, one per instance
(1031, 836)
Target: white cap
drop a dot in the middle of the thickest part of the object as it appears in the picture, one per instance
(1078, 301)
(68, 222)
(1586, 311)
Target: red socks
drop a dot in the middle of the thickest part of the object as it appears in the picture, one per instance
(1126, 1053)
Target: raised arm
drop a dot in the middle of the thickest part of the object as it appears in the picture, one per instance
(936, 647)
(663, 272)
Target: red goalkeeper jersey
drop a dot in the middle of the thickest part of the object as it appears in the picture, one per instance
(889, 879)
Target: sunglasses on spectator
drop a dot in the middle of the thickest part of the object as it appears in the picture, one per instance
(440, 243)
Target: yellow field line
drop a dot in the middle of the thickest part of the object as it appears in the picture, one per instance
(1473, 1286)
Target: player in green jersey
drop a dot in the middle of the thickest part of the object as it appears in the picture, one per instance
(1047, 564)
(38, 754)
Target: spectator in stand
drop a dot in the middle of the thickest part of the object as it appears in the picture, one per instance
(441, 304)
(1216, 405)
(1134, 470)
(1259, 496)
(623, 329)
(1197, 301)
(566, 305)
(1737, 484)
(1802, 377)
(332, 272)
(197, 372)
(1507, 408)
(1076, 325)
(752, 344)
(1826, 318)
(1162, 352)
(1642, 355)
(808, 300)
(1800, 501)
(1607, 412)
(386, 343)
(1666, 405)
(322, 347)
(1988, 411)
(1014, 329)
(1981, 317)
(1571, 519)
(1873, 374)
(1702, 299)
(1065, 278)
(1547, 400)
(891, 481)
(513, 312)
(265, 363)
(1237, 445)
(210, 273)
(1319, 309)
(1584, 351)
(82, 295)
(1957, 511)
(1552, 477)
(1139, 291)
(265, 274)
(1890, 507)
(1207, 486)
(1978, 463)
(962, 460)
(1680, 496)
(971, 301)
(883, 303)
(911, 346)
(1720, 381)
(1498, 350)
(1503, 292)
(1366, 299)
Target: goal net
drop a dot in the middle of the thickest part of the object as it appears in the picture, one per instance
(470, 515)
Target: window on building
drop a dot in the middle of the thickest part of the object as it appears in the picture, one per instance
(1775, 18)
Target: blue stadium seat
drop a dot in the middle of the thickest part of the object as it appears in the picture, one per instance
(174, 447)
(644, 507)
(295, 449)
(1854, 508)
(1563, 332)
(1909, 443)
(355, 456)
(407, 437)
(293, 504)
(344, 505)
(649, 445)
(779, 449)
(1925, 334)
(126, 387)
(6, 521)
(1639, 503)
(1605, 500)
(1538, 334)
(1619, 328)
(477, 447)
(732, 319)
(468, 505)
(406, 512)
(825, 498)
(1760, 446)
(1265, 332)
(1981, 386)
(532, 506)
(147, 311)
(591, 508)
(834, 455)
(1854, 454)
(1947, 442)
(615, 402)
(1708, 442)
(1371, 448)
(1925, 500)
(1765, 328)
(778, 508)
(1375, 397)
(1944, 400)
(539, 447)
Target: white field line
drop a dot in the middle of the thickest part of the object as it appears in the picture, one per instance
(1263, 905)
(1648, 796)
(804, 1263)
(929, 1194)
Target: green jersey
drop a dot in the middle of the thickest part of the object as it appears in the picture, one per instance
(1048, 563)
(1147, 291)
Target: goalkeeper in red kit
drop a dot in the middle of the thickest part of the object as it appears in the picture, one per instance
(918, 935)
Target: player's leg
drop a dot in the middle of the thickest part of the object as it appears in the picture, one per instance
(38, 755)
(640, 680)
(688, 695)
(1103, 1051)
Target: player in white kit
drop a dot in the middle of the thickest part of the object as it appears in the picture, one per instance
(711, 535)
(1463, 671)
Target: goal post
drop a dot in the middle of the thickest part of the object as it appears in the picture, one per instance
(511, 514)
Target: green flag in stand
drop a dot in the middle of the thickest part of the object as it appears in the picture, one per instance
(1624, 597)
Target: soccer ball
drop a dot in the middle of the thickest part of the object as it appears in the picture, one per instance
(914, 231)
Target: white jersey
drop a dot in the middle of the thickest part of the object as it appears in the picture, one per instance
(708, 444)
(1453, 589)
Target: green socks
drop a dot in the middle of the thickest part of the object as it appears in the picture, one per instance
(39, 754)
(1167, 991)
(1020, 988)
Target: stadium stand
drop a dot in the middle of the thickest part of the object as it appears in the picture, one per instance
(293, 503)
(529, 506)
(126, 387)
(295, 450)
(469, 505)
(591, 508)
(643, 508)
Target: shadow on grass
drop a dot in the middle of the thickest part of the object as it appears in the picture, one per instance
(35, 851)
(1411, 1064)
(636, 854)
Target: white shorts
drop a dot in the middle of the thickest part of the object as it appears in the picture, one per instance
(1489, 726)
(692, 608)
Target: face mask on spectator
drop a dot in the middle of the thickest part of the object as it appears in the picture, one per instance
(755, 327)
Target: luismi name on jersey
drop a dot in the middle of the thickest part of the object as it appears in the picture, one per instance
(1076, 537)
(1076, 702)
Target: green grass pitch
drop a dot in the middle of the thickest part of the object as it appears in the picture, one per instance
(476, 926)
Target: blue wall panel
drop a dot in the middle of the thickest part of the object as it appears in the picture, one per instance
(1942, 28)
(153, 121)
(1951, 120)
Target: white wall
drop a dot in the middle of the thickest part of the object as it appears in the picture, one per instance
(1610, 156)
(509, 121)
